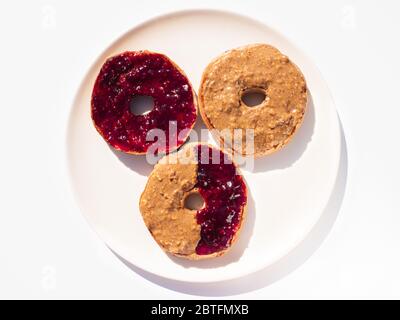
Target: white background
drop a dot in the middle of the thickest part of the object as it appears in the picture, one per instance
(47, 250)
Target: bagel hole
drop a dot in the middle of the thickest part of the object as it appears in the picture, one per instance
(141, 105)
(194, 201)
(253, 97)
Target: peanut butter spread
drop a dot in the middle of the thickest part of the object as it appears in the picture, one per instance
(254, 67)
(172, 225)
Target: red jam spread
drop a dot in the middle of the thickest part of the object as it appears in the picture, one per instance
(224, 194)
(147, 74)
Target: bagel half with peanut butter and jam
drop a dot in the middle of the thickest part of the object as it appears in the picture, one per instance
(208, 230)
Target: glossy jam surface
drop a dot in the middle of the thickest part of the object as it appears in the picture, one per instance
(148, 74)
(224, 193)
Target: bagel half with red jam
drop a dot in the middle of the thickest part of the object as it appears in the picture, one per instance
(142, 73)
(208, 231)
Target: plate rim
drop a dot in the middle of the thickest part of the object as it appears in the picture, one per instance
(174, 13)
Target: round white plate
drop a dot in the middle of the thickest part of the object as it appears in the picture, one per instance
(288, 190)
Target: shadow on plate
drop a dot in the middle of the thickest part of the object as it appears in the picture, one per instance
(137, 163)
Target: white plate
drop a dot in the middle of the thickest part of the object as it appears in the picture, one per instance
(289, 189)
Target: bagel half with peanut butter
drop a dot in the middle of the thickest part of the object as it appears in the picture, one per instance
(257, 68)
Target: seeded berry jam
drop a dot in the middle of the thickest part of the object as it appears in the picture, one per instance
(224, 194)
(147, 74)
